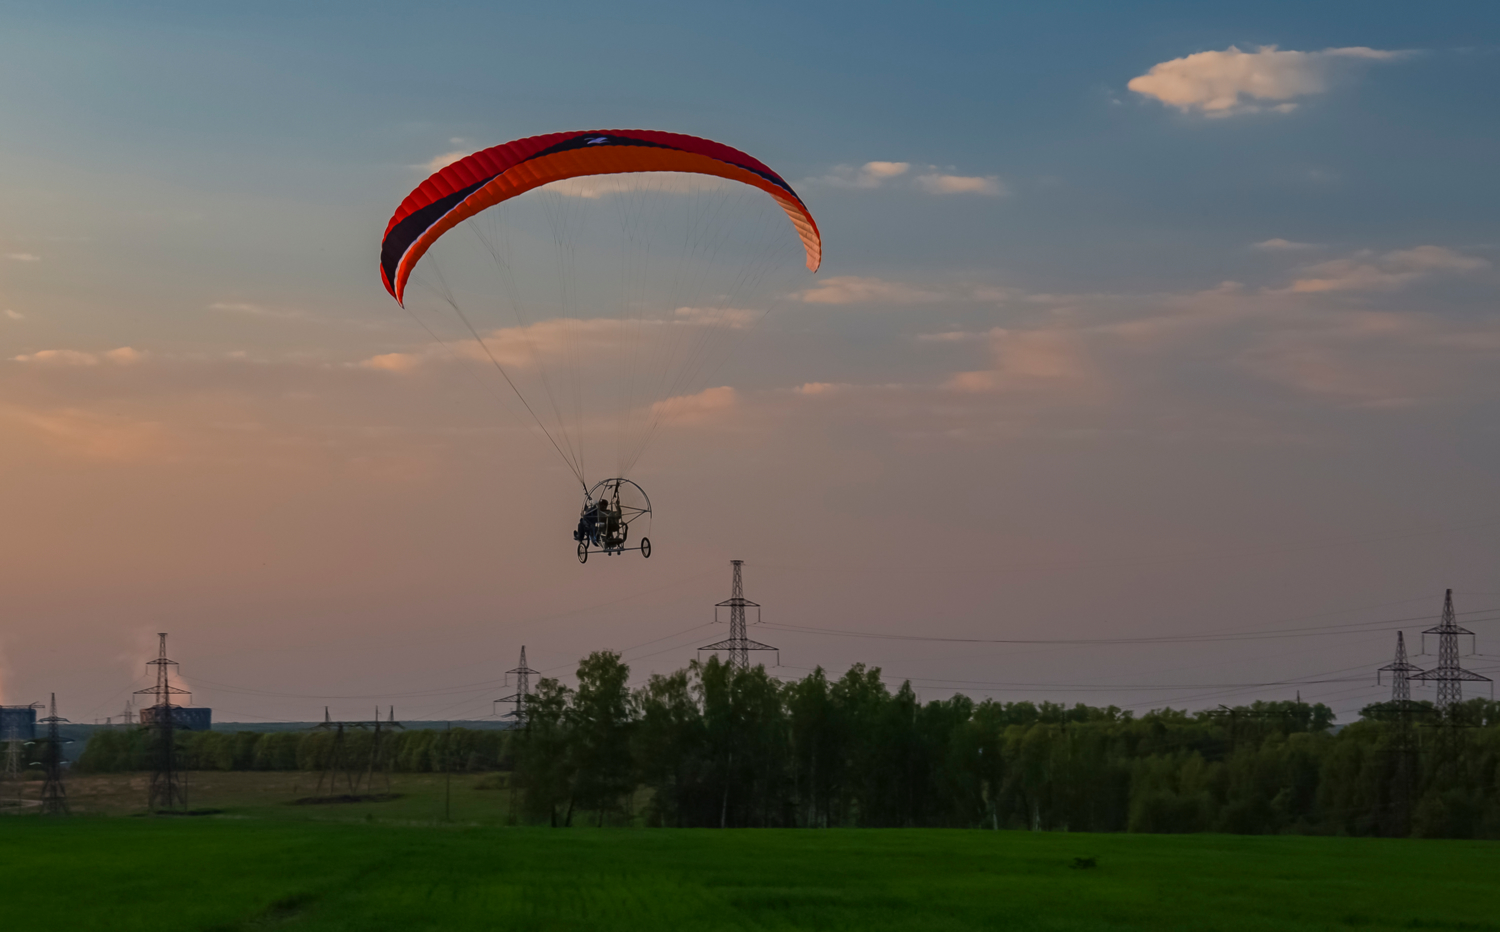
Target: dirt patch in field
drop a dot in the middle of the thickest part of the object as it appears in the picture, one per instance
(346, 798)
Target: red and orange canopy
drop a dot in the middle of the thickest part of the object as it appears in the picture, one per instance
(486, 178)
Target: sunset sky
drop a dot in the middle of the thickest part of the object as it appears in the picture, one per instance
(1147, 321)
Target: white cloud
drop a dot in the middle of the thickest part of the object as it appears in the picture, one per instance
(255, 310)
(1233, 81)
(733, 318)
(1051, 361)
(1432, 259)
(853, 289)
(123, 356)
(439, 162)
(1364, 272)
(393, 362)
(988, 185)
(64, 357)
(951, 336)
(520, 348)
(868, 175)
(14, 315)
(932, 179)
(96, 435)
(821, 388)
(23, 257)
(707, 405)
(1283, 245)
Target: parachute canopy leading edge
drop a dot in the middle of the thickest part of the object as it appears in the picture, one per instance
(493, 175)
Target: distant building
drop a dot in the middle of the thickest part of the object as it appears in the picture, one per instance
(21, 718)
(191, 719)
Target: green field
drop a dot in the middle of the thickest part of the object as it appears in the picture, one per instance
(262, 863)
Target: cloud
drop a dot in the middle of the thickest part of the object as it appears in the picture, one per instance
(64, 357)
(393, 362)
(124, 356)
(733, 318)
(1433, 259)
(988, 185)
(1051, 361)
(853, 289)
(868, 175)
(23, 257)
(439, 162)
(1395, 269)
(1283, 245)
(932, 180)
(94, 435)
(951, 336)
(1233, 81)
(14, 315)
(821, 388)
(708, 405)
(579, 340)
(255, 310)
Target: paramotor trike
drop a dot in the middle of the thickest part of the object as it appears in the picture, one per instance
(610, 508)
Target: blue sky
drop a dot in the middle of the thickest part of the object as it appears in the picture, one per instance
(1243, 353)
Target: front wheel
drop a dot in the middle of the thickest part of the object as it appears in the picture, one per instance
(583, 551)
(646, 547)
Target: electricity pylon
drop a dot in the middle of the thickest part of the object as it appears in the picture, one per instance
(738, 645)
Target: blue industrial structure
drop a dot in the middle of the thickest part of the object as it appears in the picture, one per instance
(21, 719)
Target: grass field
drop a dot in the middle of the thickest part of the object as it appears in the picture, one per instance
(396, 865)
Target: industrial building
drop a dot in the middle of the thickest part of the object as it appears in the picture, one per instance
(18, 722)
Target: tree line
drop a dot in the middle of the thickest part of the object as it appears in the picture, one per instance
(122, 750)
(712, 745)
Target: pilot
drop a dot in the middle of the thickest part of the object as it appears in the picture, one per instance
(588, 523)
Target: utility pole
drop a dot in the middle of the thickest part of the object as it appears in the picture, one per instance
(1449, 675)
(522, 673)
(54, 791)
(738, 644)
(168, 786)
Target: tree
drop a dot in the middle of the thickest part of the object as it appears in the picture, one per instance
(599, 721)
(543, 765)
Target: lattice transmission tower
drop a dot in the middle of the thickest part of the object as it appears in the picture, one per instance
(342, 761)
(54, 790)
(738, 645)
(522, 695)
(168, 788)
(1449, 674)
(1401, 672)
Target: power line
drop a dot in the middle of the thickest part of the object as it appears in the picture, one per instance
(1248, 635)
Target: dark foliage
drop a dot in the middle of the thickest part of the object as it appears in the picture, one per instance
(712, 746)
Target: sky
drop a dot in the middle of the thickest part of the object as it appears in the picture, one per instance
(1154, 359)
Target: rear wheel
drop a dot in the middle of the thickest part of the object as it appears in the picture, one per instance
(583, 551)
(646, 547)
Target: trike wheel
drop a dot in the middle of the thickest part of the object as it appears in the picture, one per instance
(646, 547)
(583, 551)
